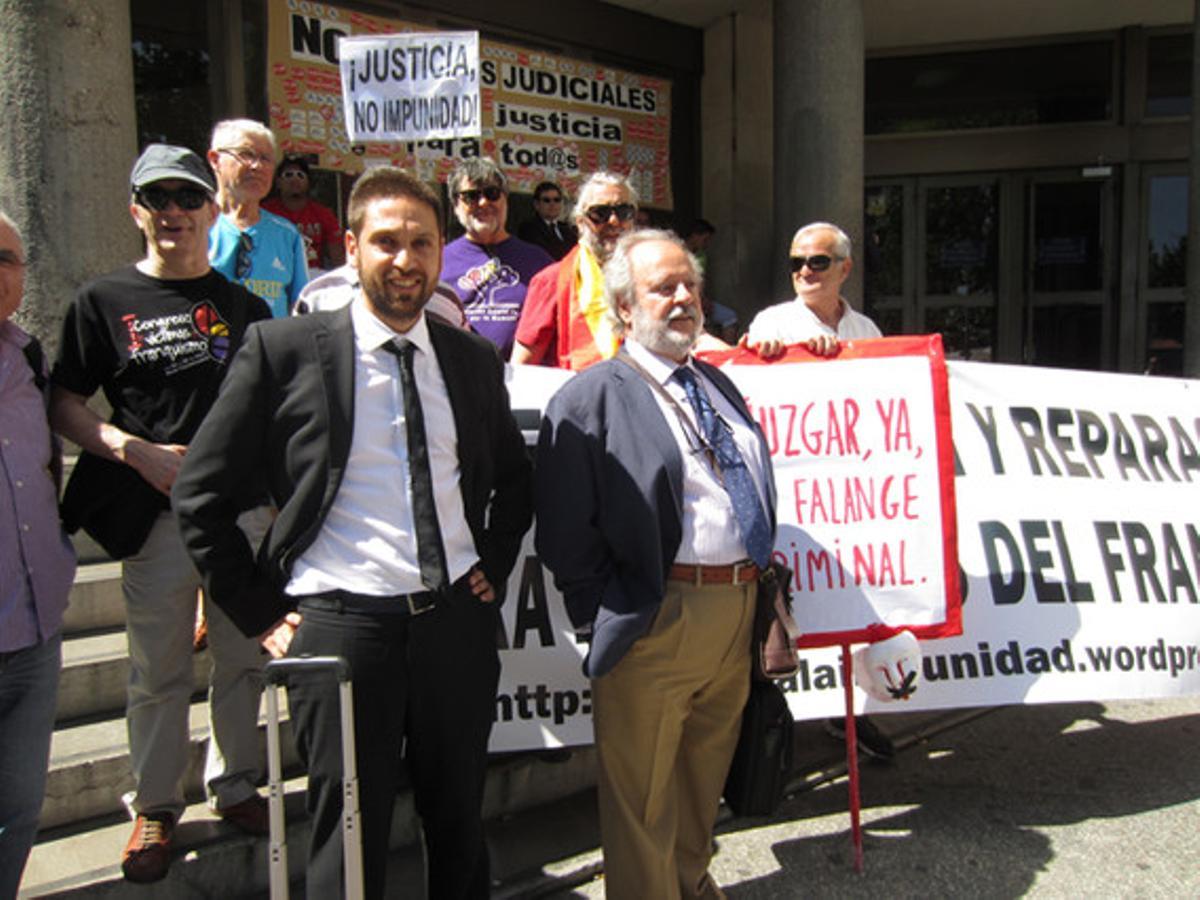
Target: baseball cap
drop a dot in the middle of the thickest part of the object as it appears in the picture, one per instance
(159, 162)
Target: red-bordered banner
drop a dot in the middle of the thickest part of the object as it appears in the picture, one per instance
(864, 474)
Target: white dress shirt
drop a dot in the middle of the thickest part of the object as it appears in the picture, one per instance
(710, 529)
(793, 322)
(367, 543)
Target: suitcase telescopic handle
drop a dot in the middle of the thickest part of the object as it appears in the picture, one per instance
(277, 670)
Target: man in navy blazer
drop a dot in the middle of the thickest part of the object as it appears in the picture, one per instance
(655, 512)
(386, 441)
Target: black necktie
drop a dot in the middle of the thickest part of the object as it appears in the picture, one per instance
(752, 522)
(431, 554)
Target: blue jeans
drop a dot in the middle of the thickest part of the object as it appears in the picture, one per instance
(28, 688)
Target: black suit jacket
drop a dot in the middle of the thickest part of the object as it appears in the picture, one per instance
(283, 422)
(535, 231)
(609, 488)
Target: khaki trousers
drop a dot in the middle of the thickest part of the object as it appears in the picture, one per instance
(667, 719)
(160, 585)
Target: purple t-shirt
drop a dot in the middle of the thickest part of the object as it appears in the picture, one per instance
(491, 282)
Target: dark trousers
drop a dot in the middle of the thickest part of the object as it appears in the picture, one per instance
(424, 685)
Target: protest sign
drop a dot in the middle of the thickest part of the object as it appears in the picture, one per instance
(542, 116)
(411, 87)
(1078, 542)
(865, 485)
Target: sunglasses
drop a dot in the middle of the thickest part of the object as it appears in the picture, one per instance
(818, 262)
(242, 263)
(471, 195)
(546, 198)
(598, 215)
(159, 198)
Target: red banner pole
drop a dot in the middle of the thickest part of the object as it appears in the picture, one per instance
(852, 760)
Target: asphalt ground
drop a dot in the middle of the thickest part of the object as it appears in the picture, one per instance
(1068, 800)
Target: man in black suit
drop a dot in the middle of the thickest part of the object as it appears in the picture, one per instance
(387, 443)
(655, 505)
(547, 229)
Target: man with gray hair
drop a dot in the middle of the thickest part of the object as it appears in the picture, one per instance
(565, 322)
(488, 268)
(37, 566)
(819, 315)
(248, 245)
(655, 512)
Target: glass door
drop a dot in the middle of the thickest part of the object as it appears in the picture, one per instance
(958, 264)
(1069, 269)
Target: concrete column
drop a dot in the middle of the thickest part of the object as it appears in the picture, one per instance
(818, 84)
(1191, 328)
(736, 122)
(66, 146)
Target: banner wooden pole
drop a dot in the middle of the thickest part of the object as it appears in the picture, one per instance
(852, 760)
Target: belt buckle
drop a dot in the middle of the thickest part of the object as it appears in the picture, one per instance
(413, 609)
(737, 568)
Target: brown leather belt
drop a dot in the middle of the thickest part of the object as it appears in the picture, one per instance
(738, 573)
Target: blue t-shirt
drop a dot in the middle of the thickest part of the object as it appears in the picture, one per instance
(277, 266)
(491, 282)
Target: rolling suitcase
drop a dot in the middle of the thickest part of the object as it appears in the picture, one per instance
(276, 673)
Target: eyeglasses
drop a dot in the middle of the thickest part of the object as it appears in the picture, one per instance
(248, 157)
(818, 262)
(545, 198)
(601, 213)
(242, 263)
(159, 198)
(471, 195)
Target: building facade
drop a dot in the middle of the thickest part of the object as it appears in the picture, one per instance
(1015, 175)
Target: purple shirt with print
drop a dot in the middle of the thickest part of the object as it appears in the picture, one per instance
(37, 563)
(491, 282)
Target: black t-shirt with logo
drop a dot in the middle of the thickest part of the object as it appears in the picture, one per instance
(158, 348)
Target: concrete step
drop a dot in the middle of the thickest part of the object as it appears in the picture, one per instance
(95, 672)
(96, 602)
(89, 767)
(215, 860)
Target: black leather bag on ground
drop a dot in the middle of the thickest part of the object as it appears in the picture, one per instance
(112, 503)
(762, 761)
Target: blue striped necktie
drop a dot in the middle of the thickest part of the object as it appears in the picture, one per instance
(753, 526)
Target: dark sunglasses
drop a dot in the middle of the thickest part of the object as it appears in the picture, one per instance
(159, 198)
(472, 195)
(546, 198)
(242, 263)
(818, 262)
(601, 213)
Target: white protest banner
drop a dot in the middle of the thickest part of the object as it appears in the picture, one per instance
(1078, 538)
(411, 87)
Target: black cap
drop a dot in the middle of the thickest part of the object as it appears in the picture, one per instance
(159, 162)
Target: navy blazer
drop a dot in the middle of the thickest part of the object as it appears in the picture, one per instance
(282, 426)
(608, 491)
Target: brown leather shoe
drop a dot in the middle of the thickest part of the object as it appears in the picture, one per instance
(147, 855)
(251, 815)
